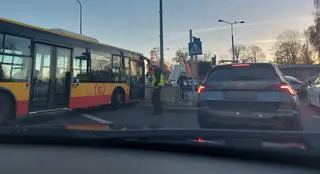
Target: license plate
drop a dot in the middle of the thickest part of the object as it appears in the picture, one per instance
(240, 95)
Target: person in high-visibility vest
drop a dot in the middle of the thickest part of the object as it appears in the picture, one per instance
(157, 82)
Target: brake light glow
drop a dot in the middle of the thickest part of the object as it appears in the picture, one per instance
(241, 65)
(200, 140)
(288, 89)
(201, 88)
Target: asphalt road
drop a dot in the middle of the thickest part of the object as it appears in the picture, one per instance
(142, 118)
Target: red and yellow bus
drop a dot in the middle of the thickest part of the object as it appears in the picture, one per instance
(52, 69)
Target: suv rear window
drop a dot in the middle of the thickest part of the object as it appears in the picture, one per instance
(259, 72)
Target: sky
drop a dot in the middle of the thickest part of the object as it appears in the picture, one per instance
(134, 24)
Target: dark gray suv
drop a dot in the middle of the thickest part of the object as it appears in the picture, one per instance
(248, 96)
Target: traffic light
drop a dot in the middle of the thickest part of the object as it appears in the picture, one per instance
(214, 60)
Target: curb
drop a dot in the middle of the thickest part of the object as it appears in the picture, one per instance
(34, 119)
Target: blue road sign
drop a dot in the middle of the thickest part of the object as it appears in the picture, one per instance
(195, 48)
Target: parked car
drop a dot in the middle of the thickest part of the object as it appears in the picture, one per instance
(297, 85)
(248, 96)
(313, 96)
(310, 80)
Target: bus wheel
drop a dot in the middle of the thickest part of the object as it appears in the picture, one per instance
(117, 99)
(6, 108)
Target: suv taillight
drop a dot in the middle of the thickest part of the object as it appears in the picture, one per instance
(284, 87)
(288, 89)
(201, 88)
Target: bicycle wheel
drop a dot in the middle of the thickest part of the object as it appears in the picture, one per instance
(185, 97)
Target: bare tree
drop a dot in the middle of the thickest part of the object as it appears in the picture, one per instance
(255, 54)
(206, 56)
(313, 32)
(287, 47)
(239, 51)
(224, 59)
(316, 4)
(182, 56)
(306, 53)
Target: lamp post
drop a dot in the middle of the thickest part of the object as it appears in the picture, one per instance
(232, 37)
(161, 36)
(80, 5)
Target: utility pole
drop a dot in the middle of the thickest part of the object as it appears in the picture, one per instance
(161, 37)
(80, 5)
(232, 36)
(193, 71)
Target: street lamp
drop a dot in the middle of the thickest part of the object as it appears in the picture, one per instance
(158, 48)
(80, 5)
(232, 37)
(161, 35)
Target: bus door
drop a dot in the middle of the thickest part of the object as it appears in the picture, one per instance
(51, 78)
(136, 80)
(141, 79)
(62, 78)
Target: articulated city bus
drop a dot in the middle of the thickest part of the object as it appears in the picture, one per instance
(52, 69)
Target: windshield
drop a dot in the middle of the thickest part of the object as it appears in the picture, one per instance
(293, 79)
(115, 66)
(253, 72)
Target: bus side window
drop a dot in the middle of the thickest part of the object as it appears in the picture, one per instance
(126, 70)
(101, 66)
(117, 68)
(80, 63)
(16, 62)
(134, 69)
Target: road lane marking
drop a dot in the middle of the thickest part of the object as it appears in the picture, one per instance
(99, 120)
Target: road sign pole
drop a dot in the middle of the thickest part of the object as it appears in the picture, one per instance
(195, 75)
(193, 78)
(193, 71)
(190, 35)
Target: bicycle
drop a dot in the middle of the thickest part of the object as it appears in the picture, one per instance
(184, 95)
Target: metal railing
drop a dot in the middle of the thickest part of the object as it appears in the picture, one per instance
(171, 94)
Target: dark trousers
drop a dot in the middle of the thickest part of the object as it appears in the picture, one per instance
(156, 101)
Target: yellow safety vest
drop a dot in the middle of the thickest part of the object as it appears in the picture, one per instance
(153, 81)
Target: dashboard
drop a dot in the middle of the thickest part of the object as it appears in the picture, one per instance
(67, 159)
